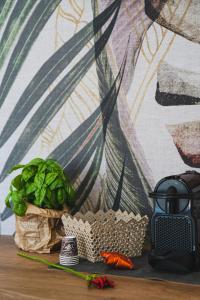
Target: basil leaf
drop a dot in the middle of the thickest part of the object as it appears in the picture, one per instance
(28, 172)
(16, 167)
(17, 182)
(57, 183)
(42, 167)
(35, 162)
(40, 195)
(54, 165)
(48, 193)
(16, 197)
(50, 177)
(41, 182)
(60, 196)
(54, 201)
(70, 191)
(36, 202)
(30, 188)
(39, 179)
(70, 195)
(20, 208)
(7, 200)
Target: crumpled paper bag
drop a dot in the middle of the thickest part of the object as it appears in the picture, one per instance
(40, 230)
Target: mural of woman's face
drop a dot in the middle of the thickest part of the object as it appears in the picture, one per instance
(181, 17)
(166, 73)
(110, 97)
(176, 90)
(167, 123)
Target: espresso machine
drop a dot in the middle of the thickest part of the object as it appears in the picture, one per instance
(175, 224)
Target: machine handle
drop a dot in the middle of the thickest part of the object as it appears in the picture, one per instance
(169, 195)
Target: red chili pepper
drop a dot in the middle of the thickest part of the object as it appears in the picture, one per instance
(118, 260)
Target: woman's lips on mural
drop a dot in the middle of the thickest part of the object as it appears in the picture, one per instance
(192, 160)
(186, 137)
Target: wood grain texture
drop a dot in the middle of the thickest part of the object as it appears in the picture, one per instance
(22, 279)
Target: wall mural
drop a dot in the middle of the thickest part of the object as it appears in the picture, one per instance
(108, 88)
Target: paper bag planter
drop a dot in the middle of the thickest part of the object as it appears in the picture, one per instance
(111, 231)
(40, 230)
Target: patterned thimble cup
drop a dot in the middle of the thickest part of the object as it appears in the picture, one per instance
(69, 246)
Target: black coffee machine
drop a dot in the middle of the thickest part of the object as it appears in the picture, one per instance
(175, 224)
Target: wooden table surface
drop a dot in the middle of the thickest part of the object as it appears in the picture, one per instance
(21, 279)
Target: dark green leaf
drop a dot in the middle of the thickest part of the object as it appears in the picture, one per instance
(88, 182)
(48, 193)
(31, 30)
(48, 199)
(28, 172)
(16, 168)
(47, 204)
(7, 200)
(30, 188)
(7, 212)
(60, 196)
(39, 179)
(5, 7)
(54, 202)
(16, 197)
(13, 26)
(56, 99)
(17, 182)
(57, 183)
(20, 208)
(89, 131)
(116, 204)
(51, 70)
(50, 177)
(122, 165)
(70, 192)
(42, 167)
(36, 201)
(35, 162)
(54, 166)
(40, 195)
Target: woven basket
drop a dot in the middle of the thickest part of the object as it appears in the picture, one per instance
(110, 231)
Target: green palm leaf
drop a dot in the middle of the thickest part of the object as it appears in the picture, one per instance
(55, 100)
(125, 185)
(38, 19)
(5, 7)
(92, 130)
(15, 22)
(88, 182)
(51, 70)
(66, 152)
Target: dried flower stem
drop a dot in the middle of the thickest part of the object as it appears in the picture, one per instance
(92, 279)
(50, 264)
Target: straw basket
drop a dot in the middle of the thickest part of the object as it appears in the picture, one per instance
(111, 231)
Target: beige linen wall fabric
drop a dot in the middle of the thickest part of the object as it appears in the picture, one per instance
(108, 88)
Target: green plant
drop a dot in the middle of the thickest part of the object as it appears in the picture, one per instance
(42, 183)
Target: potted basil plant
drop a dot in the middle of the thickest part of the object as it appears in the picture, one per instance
(38, 196)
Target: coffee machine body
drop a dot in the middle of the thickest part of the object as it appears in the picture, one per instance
(175, 224)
